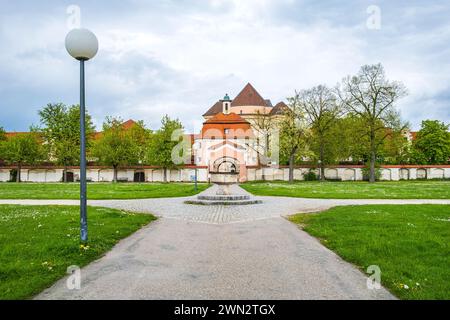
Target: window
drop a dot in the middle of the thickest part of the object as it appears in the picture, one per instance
(226, 131)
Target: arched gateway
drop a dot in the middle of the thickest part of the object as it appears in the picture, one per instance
(226, 165)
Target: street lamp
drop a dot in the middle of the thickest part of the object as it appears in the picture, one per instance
(82, 44)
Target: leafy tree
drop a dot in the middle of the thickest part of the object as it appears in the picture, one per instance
(2, 134)
(432, 144)
(61, 132)
(370, 95)
(22, 148)
(140, 136)
(161, 145)
(116, 146)
(395, 149)
(2, 138)
(341, 139)
(293, 134)
(321, 110)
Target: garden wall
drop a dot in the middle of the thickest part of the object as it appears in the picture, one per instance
(187, 174)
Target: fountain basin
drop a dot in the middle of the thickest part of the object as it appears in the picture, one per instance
(222, 194)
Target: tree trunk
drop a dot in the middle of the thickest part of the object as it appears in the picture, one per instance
(19, 168)
(165, 174)
(372, 167)
(115, 174)
(65, 174)
(322, 164)
(372, 157)
(291, 167)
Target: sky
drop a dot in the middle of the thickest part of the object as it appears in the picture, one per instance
(180, 57)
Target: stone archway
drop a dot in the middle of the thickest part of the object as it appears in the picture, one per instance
(226, 165)
(421, 173)
(404, 174)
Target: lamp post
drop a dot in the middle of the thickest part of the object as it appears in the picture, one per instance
(82, 44)
(196, 187)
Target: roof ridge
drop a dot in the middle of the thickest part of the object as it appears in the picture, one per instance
(230, 117)
(249, 96)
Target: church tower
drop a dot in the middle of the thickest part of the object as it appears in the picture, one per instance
(226, 104)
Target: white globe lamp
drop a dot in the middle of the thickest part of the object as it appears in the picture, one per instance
(81, 44)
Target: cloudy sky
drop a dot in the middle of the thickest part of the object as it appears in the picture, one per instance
(179, 57)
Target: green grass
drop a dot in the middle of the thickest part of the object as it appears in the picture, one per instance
(353, 189)
(38, 243)
(410, 244)
(97, 190)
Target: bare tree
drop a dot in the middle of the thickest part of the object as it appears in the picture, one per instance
(321, 110)
(262, 125)
(293, 133)
(370, 95)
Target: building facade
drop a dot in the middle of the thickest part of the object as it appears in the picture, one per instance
(234, 132)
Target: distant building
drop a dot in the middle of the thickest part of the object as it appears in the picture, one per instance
(232, 137)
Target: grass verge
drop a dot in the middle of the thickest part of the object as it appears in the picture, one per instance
(98, 191)
(352, 189)
(38, 243)
(410, 244)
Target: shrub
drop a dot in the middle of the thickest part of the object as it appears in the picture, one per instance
(310, 176)
(366, 173)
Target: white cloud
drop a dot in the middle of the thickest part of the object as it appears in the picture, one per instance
(179, 58)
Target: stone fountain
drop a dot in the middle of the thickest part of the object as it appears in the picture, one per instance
(222, 191)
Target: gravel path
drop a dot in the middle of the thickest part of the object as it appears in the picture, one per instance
(220, 252)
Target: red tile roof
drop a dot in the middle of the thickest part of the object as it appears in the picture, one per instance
(249, 97)
(128, 124)
(279, 108)
(215, 109)
(226, 118)
(226, 125)
(13, 134)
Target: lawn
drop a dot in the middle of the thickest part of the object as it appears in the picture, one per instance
(353, 189)
(98, 190)
(38, 243)
(410, 244)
